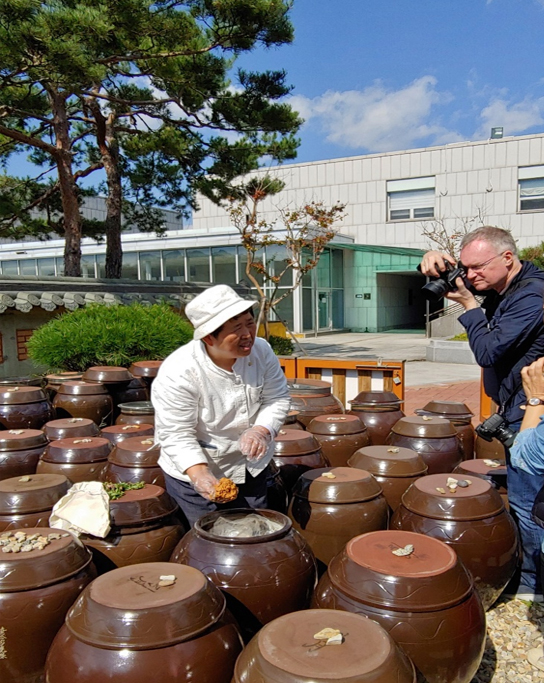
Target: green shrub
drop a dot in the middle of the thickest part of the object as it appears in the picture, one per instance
(459, 337)
(281, 345)
(109, 335)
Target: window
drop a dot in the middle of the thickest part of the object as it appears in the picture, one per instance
(531, 188)
(198, 265)
(46, 267)
(129, 269)
(150, 265)
(22, 337)
(224, 265)
(174, 265)
(410, 199)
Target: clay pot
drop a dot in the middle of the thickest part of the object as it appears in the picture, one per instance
(329, 512)
(460, 415)
(434, 438)
(425, 599)
(492, 470)
(127, 627)
(296, 452)
(117, 433)
(135, 413)
(286, 651)
(472, 521)
(145, 527)
(27, 501)
(81, 459)
(263, 577)
(133, 460)
(121, 385)
(24, 407)
(276, 493)
(313, 397)
(20, 450)
(340, 436)
(488, 449)
(291, 421)
(56, 379)
(394, 468)
(84, 399)
(146, 370)
(378, 411)
(70, 428)
(51, 578)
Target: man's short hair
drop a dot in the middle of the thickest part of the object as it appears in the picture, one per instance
(499, 238)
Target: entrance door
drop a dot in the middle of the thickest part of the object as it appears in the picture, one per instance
(324, 320)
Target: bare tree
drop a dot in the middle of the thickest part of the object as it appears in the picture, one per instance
(448, 238)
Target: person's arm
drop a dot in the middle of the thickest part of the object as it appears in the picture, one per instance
(527, 453)
(276, 400)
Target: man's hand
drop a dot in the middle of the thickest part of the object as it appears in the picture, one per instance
(533, 379)
(254, 443)
(203, 480)
(462, 295)
(434, 263)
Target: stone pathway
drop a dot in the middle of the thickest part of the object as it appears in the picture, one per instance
(465, 392)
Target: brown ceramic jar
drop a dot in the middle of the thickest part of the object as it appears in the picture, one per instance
(20, 450)
(117, 433)
(70, 428)
(340, 436)
(330, 506)
(276, 493)
(492, 470)
(82, 459)
(27, 501)
(488, 449)
(460, 415)
(434, 438)
(378, 411)
(145, 527)
(394, 468)
(291, 421)
(84, 399)
(135, 459)
(424, 598)
(263, 577)
(121, 385)
(472, 520)
(135, 413)
(146, 370)
(55, 380)
(128, 627)
(313, 397)
(37, 589)
(286, 651)
(296, 452)
(24, 407)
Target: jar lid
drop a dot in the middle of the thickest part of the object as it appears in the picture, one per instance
(449, 409)
(376, 398)
(15, 395)
(137, 408)
(58, 378)
(24, 381)
(336, 424)
(130, 607)
(107, 374)
(482, 466)
(292, 417)
(203, 526)
(286, 650)
(389, 461)
(424, 426)
(431, 496)
(70, 427)
(22, 439)
(80, 388)
(118, 433)
(291, 442)
(145, 368)
(425, 576)
(141, 505)
(337, 485)
(61, 558)
(83, 449)
(135, 452)
(309, 387)
(31, 493)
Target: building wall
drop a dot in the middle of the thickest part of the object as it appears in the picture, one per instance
(11, 322)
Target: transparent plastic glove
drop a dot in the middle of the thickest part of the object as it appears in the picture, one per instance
(204, 482)
(254, 443)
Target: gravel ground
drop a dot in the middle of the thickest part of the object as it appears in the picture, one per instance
(513, 628)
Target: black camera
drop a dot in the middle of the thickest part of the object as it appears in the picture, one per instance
(495, 427)
(438, 287)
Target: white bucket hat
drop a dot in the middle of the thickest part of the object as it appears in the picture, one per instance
(213, 307)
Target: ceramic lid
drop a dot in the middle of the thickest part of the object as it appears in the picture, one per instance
(56, 562)
(336, 424)
(389, 461)
(376, 398)
(478, 500)
(292, 417)
(145, 368)
(452, 410)
(291, 442)
(22, 439)
(309, 387)
(31, 493)
(107, 374)
(129, 608)
(70, 427)
(286, 651)
(485, 466)
(135, 452)
(141, 505)
(118, 433)
(83, 449)
(203, 525)
(22, 381)
(424, 426)
(80, 388)
(428, 578)
(58, 378)
(337, 485)
(15, 395)
(137, 408)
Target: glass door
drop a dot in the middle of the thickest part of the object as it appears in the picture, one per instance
(324, 321)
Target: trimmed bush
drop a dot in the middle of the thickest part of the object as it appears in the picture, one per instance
(109, 335)
(281, 345)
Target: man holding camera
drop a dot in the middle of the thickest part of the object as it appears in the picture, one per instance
(505, 334)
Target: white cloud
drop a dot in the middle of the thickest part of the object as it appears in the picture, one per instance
(377, 119)
(514, 117)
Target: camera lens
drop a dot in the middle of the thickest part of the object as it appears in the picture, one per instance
(435, 290)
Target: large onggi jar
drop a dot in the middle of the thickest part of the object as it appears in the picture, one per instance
(146, 370)
(81, 459)
(70, 427)
(84, 399)
(56, 379)
(296, 452)
(118, 432)
(20, 450)
(460, 415)
(133, 460)
(313, 397)
(27, 501)
(492, 470)
(24, 407)
(378, 411)
(121, 385)
(132, 626)
(135, 413)
(340, 436)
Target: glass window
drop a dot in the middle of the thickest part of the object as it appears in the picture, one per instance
(242, 259)
(174, 265)
(323, 269)
(337, 268)
(10, 267)
(276, 256)
(531, 194)
(46, 267)
(150, 265)
(129, 269)
(307, 280)
(284, 311)
(27, 266)
(410, 198)
(59, 261)
(307, 309)
(87, 265)
(338, 308)
(198, 265)
(100, 265)
(224, 265)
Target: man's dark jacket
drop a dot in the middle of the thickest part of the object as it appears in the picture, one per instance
(507, 334)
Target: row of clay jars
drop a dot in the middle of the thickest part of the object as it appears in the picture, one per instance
(24, 407)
